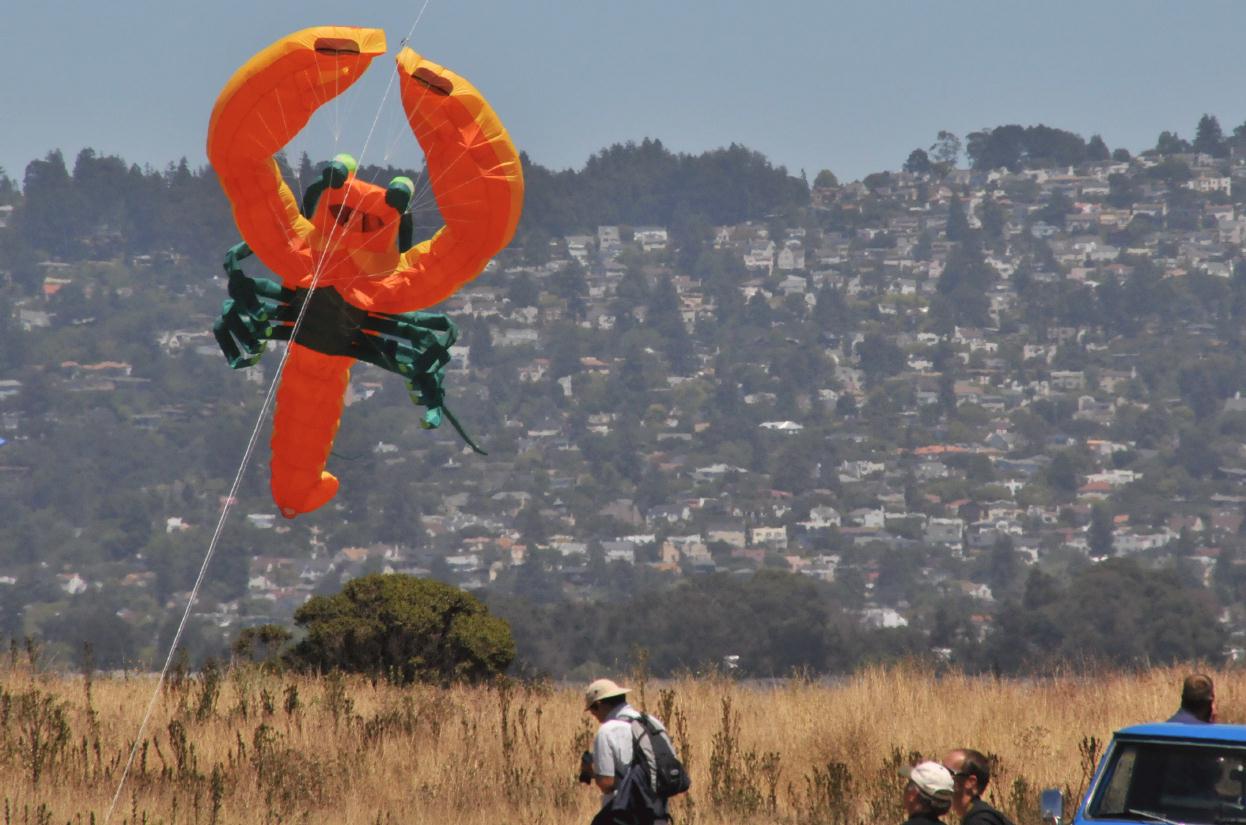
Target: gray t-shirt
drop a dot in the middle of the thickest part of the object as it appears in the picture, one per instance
(612, 749)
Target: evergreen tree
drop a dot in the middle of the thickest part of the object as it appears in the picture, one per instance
(46, 218)
(1208, 138)
(1169, 143)
(1004, 571)
(965, 281)
(957, 222)
(1100, 536)
(8, 189)
(571, 284)
(1096, 149)
(665, 318)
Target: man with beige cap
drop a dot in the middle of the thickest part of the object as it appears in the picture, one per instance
(928, 794)
(612, 756)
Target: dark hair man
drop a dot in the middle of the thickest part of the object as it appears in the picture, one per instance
(928, 793)
(971, 773)
(1198, 701)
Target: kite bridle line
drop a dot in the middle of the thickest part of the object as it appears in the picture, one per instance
(242, 467)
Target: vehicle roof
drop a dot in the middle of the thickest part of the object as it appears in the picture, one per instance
(1185, 732)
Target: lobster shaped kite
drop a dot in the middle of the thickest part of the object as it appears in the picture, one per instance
(344, 255)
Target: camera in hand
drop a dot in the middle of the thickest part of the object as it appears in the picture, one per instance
(586, 768)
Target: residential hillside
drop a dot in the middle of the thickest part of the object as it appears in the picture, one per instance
(986, 407)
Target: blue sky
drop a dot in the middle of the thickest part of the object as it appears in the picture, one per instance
(812, 84)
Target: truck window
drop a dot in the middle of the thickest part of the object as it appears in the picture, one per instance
(1162, 781)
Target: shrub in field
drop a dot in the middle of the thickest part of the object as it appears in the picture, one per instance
(35, 729)
(405, 629)
(260, 644)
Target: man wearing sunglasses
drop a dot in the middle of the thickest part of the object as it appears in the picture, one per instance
(971, 772)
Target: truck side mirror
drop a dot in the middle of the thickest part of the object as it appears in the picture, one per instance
(1051, 803)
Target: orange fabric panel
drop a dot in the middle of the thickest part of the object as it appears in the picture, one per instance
(263, 106)
(475, 175)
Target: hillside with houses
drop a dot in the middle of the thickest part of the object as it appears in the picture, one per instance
(949, 395)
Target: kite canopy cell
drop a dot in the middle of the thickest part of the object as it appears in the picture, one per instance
(344, 254)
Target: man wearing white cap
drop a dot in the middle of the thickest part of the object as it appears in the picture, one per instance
(612, 752)
(928, 794)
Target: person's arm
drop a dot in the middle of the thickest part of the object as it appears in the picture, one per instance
(603, 762)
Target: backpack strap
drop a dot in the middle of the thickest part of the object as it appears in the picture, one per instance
(642, 747)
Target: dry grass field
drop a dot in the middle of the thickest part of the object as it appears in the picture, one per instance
(244, 746)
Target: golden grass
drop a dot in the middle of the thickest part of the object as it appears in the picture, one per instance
(284, 748)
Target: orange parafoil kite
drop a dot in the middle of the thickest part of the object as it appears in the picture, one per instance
(344, 254)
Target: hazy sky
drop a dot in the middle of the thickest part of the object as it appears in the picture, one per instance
(812, 84)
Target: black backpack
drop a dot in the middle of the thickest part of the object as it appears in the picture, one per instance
(652, 749)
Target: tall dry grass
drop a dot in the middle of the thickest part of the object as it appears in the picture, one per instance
(245, 746)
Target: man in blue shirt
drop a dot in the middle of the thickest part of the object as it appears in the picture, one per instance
(1198, 701)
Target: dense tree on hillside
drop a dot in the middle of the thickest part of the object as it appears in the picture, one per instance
(92, 623)
(880, 358)
(1012, 147)
(1096, 149)
(1114, 613)
(1170, 143)
(522, 291)
(638, 184)
(1196, 453)
(918, 162)
(946, 149)
(825, 180)
(775, 622)
(1206, 383)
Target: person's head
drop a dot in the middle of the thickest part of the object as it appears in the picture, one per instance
(602, 697)
(929, 789)
(971, 772)
(1198, 696)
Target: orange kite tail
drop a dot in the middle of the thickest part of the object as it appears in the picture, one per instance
(309, 407)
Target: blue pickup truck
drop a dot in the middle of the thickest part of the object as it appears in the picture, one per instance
(1165, 773)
